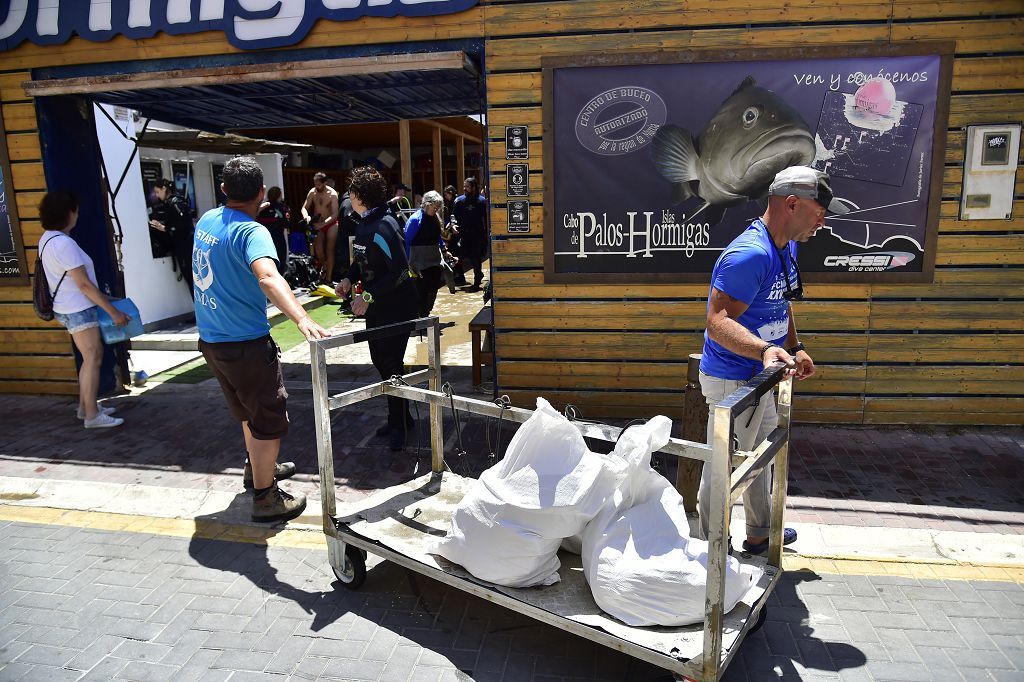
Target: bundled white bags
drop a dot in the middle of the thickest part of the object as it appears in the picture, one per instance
(507, 529)
(641, 564)
(626, 520)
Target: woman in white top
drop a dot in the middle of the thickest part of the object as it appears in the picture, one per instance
(71, 275)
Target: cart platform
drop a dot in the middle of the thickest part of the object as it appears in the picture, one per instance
(402, 523)
(406, 519)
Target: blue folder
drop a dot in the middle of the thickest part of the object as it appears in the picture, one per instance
(112, 333)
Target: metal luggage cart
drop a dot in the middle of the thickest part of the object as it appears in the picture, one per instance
(400, 523)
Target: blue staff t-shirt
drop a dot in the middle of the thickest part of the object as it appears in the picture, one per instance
(751, 270)
(230, 306)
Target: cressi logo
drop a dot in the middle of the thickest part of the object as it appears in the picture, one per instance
(620, 120)
(862, 262)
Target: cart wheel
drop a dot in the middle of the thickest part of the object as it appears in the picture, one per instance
(761, 618)
(354, 574)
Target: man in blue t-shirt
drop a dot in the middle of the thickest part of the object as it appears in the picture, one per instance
(234, 269)
(750, 324)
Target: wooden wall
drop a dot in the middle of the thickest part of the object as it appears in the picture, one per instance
(947, 352)
(951, 352)
(36, 355)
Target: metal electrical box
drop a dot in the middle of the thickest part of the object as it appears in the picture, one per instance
(990, 169)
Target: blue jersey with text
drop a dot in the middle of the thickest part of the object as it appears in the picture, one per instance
(230, 306)
(751, 270)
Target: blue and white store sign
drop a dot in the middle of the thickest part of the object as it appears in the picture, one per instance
(248, 24)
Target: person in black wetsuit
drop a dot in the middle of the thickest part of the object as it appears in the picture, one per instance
(347, 222)
(274, 215)
(388, 293)
(469, 214)
(173, 217)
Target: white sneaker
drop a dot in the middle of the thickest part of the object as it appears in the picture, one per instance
(103, 421)
(103, 410)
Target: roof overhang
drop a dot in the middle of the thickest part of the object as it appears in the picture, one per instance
(213, 143)
(293, 93)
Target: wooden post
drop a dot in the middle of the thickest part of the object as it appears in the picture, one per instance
(695, 424)
(405, 150)
(438, 173)
(780, 478)
(460, 163)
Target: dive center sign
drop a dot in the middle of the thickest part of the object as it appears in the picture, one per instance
(248, 24)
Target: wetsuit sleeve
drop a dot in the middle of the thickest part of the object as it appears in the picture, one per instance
(457, 209)
(740, 273)
(177, 217)
(385, 258)
(412, 227)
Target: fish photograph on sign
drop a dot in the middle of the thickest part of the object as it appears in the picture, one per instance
(658, 166)
(752, 136)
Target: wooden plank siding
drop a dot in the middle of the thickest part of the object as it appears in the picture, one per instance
(950, 351)
(37, 356)
(945, 352)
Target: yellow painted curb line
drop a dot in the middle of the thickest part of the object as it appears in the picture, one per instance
(184, 528)
(906, 568)
(311, 537)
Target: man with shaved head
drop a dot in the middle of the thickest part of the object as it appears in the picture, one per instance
(750, 324)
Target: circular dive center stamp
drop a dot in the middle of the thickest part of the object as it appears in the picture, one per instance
(620, 120)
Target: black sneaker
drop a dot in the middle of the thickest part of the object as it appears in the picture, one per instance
(282, 470)
(277, 505)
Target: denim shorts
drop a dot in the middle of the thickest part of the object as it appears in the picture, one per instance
(80, 321)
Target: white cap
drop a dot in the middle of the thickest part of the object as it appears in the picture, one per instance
(806, 182)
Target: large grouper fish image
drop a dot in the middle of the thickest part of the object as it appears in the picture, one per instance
(752, 136)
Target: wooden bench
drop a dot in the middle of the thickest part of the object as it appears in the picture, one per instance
(483, 355)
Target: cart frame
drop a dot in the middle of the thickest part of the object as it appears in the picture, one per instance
(725, 486)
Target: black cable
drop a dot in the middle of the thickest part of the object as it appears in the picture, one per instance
(447, 390)
(504, 402)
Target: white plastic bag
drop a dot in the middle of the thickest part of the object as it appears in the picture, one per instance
(507, 529)
(628, 466)
(641, 564)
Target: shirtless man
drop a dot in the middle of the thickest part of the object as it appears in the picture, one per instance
(322, 203)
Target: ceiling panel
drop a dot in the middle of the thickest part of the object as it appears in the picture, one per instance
(329, 100)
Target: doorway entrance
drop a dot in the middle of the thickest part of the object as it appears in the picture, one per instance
(403, 111)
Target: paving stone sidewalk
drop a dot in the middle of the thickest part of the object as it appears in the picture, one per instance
(98, 605)
(182, 436)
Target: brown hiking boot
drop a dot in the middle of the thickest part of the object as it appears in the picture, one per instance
(277, 505)
(282, 470)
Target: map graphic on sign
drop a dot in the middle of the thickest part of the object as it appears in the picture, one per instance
(870, 139)
(853, 145)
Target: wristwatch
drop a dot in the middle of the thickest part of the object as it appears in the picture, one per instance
(367, 296)
(796, 349)
(765, 347)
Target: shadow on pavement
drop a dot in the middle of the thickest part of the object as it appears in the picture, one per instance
(251, 560)
(786, 645)
(183, 436)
